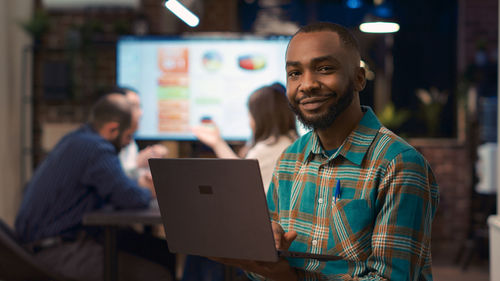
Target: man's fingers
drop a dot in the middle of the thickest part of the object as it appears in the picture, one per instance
(277, 241)
(283, 239)
(278, 233)
(288, 238)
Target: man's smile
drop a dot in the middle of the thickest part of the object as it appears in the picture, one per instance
(315, 102)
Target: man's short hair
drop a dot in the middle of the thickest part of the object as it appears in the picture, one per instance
(111, 108)
(120, 90)
(345, 35)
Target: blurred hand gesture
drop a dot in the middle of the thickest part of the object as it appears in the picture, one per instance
(208, 134)
(153, 151)
(146, 180)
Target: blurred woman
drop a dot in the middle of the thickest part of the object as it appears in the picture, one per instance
(273, 129)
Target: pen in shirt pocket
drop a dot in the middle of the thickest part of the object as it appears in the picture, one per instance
(337, 192)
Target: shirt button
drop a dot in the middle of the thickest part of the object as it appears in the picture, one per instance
(315, 242)
(320, 200)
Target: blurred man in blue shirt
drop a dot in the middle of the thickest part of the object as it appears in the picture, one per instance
(82, 174)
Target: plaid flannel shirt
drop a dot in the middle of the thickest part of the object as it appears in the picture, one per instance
(380, 223)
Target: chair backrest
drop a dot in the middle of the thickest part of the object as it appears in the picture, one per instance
(16, 263)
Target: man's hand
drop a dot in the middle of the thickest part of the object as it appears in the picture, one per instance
(283, 239)
(276, 271)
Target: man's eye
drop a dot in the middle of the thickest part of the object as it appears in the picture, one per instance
(293, 74)
(325, 68)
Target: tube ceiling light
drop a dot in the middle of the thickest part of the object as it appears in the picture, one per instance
(379, 27)
(182, 12)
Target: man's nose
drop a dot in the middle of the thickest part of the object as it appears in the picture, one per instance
(310, 82)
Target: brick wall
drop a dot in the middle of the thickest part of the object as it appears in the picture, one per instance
(478, 26)
(450, 163)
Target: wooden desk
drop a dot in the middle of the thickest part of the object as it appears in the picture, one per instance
(110, 220)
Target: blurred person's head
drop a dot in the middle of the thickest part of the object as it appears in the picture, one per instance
(132, 96)
(112, 117)
(270, 115)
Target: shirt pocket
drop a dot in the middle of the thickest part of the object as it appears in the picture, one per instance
(351, 228)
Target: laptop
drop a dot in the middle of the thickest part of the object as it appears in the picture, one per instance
(217, 208)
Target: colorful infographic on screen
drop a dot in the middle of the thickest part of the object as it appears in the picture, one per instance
(184, 81)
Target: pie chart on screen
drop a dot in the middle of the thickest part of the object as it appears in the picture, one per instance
(252, 62)
(212, 61)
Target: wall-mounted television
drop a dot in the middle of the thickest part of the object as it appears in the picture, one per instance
(184, 80)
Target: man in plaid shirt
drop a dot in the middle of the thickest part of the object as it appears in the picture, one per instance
(350, 187)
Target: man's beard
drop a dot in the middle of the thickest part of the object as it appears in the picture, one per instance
(326, 120)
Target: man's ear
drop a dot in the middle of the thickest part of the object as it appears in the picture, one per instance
(360, 79)
(110, 130)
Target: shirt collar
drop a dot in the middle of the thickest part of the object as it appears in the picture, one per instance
(355, 145)
(86, 127)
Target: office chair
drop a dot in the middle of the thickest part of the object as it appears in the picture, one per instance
(17, 264)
